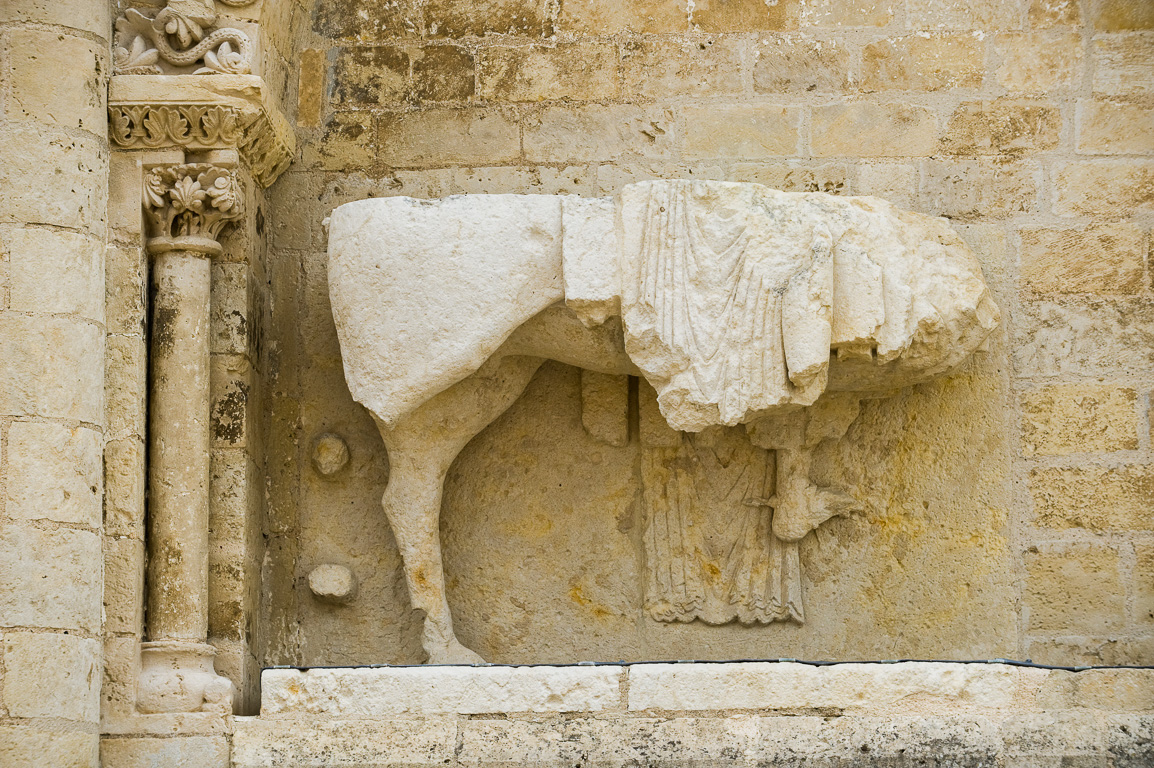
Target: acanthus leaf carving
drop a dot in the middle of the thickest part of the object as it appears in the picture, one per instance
(191, 202)
(194, 126)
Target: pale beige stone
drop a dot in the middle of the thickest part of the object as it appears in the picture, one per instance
(661, 69)
(574, 71)
(44, 86)
(1033, 62)
(1113, 690)
(126, 385)
(76, 14)
(796, 64)
(125, 288)
(740, 132)
(143, 752)
(600, 132)
(384, 692)
(1122, 63)
(56, 272)
(49, 578)
(980, 188)
(791, 176)
(1065, 419)
(28, 745)
(54, 473)
(607, 17)
(896, 182)
(123, 585)
(923, 62)
(1109, 188)
(1144, 583)
(475, 136)
(36, 193)
(849, 13)
(1101, 259)
(51, 367)
(1073, 589)
(1115, 128)
(262, 742)
(950, 14)
(1002, 127)
(605, 407)
(873, 130)
(51, 675)
(1084, 336)
(1095, 498)
(124, 475)
(1044, 14)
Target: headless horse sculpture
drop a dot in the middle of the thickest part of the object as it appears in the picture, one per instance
(733, 300)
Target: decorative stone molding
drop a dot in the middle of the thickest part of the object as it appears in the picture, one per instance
(181, 36)
(196, 113)
(188, 205)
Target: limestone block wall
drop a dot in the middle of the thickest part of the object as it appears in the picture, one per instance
(54, 66)
(1008, 507)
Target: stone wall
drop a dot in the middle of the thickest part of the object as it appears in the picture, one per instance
(54, 67)
(1007, 508)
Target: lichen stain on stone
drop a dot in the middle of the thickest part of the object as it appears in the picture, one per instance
(163, 330)
(228, 412)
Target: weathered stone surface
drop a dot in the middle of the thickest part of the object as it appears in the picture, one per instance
(980, 189)
(1113, 690)
(332, 583)
(1144, 584)
(744, 15)
(1038, 63)
(1105, 188)
(873, 130)
(77, 14)
(605, 407)
(144, 752)
(740, 132)
(1072, 589)
(452, 19)
(1088, 337)
(1102, 259)
(42, 88)
(1095, 498)
(388, 692)
(795, 64)
(923, 63)
(54, 473)
(661, 69)
(1122, 15)
(262, 742)
(981, 15)
(368, 20)
(347, 141)
(576, 71)
(1044, 14)
(36, 194)
(55, 272)
(1064, 419)
(29, 745)
(51, 675)
(49, 578)
(1122, 63)
(365, 76)
(600, 133)
(1002, 127)
(607, 17)
(451, 136)
(849, 13)
(1115, 128)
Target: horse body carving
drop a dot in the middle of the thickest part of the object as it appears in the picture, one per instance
(734, 300)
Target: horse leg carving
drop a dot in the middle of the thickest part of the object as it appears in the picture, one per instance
(422, 446)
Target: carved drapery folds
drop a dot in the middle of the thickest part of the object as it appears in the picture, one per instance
(180, 35)
(188, 205)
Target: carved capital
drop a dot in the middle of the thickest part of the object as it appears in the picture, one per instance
(187, 206)
(180, 35)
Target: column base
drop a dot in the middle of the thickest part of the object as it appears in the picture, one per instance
(179, 676)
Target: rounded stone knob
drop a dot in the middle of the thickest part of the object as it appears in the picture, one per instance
(330, 454)
(332, 583)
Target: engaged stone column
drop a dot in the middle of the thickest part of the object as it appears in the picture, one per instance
(187, 206)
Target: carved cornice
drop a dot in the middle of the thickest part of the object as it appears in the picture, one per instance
(197, 113)
(180, 36)
(188, 205)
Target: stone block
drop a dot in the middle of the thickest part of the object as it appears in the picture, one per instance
(49, 578)
(482, 18)
(28, 746)
(1096, 498)
(1033, 62)
(1115, 128)
(605, 407)
(228, 324)
(977, 14)
(368, 76)
(449, 137)
(745, 15)
(924, 62)
(144, 752)
(1074, 589)
(437, 690)
(443, 73)
(125, 177)
(126, 375)
(849, 13)
(661, 69)
(797, 64)
(37, 191)
(1122, 63)
(851, 688)
(741, 131)
(572, 71)
(51, 675)
(1112, 690)
(793, 177)
(1144, 584)
(125, 291)
(1044, 14)
(867, 129)
(1084, 336)
(367, 20)
(1065, 419)
(76, 14)
(58, 80)
(596, 132)
(1123, 15)
(124, 475)
(1113, 188)
(228, 419)
(121, 662)
(311, 87)
(262, 742)
(1106, 258)
(54, 473)
(55, 272)
(610, 17)
(51, 366)
(347, 142)
(896, 182)
(123, 585)
(980, 188)
(1002, 127)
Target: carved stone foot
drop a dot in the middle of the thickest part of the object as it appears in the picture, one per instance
(179, 677)
(452, 652)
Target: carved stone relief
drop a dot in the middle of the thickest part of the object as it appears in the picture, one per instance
(445, 309)
(178, 37)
